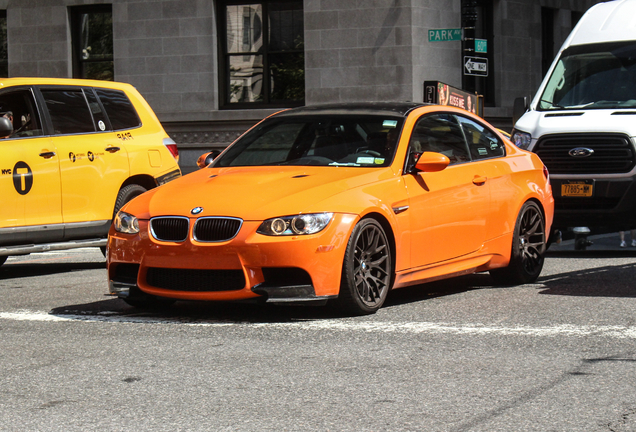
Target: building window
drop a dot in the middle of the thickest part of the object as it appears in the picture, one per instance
(4, 57)
(547, 38)
(92, 33)
(262, 60)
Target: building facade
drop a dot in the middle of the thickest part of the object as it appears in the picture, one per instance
(212, 68)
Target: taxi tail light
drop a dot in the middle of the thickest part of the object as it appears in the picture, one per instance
(172, 147)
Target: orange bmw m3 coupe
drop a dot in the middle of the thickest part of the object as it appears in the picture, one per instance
(338, 202)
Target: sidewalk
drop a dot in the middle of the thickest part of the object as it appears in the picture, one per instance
(601, 242)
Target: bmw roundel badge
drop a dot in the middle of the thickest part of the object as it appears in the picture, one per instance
(196, 210)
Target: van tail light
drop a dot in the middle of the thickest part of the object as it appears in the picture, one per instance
(172, 146)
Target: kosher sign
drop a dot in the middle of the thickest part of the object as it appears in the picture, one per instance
(439, 93)
(476, 66)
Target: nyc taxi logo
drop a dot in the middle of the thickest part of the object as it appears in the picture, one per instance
(22, 177)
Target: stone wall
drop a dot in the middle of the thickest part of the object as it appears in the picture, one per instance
(362, 50)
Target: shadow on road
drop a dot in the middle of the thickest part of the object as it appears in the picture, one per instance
(258, 312)
(608, 281)
(28, 269)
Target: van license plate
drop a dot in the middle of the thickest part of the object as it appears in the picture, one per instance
(577, 190)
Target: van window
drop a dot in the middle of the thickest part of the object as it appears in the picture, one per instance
(594, 76)
(120, 110)
(69, 111)
(19, 106)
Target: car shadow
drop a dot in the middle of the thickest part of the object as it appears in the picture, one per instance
(196, 312)
(441, 288)
(256, 312)
(27, 269)
(607, 281)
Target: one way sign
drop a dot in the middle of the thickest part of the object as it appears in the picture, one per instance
(476, 66)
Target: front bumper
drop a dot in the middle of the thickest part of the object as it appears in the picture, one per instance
(279, 269)
(612, 205)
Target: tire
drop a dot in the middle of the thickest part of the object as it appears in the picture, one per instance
(126, 194)
(367, 270)
(529, 244)
(3, 259)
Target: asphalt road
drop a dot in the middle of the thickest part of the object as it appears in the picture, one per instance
(455, 355)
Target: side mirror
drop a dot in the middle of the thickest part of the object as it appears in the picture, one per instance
(6, 127)
(432, 162)
(519, 108)
(207, 158)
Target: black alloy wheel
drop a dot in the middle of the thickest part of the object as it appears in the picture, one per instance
(367, 271)
(528, 248)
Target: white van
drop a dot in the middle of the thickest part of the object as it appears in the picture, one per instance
(582, 121)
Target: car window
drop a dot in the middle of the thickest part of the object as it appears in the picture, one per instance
(482, 142)
(440, 133)
(101, 121)
(19, 106)
(120, 110)
(69, 111)
(326, 140)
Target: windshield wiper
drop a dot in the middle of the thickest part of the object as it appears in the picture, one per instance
(352, 164)
(552, 104)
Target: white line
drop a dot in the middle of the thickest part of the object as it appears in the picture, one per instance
(620, 332)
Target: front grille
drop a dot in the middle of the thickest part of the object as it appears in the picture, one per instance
(216, 229)
(195, 280)
(613, 153)
(169, 228)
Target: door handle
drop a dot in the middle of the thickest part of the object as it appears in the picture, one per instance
(479, 181)
(47, 154)
(112, 149)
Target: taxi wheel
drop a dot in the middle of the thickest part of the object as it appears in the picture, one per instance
(529, 244)
(3, 259)
(367, 269)
(126, 194)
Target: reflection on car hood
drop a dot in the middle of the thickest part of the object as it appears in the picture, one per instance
(253, 193)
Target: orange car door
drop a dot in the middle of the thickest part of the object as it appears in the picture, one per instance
(448, 208)
(488, 151)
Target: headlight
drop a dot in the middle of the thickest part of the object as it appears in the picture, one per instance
(295, 225)
(126, 223)
(521, 139)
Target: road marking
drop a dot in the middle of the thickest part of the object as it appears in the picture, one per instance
(349, 325)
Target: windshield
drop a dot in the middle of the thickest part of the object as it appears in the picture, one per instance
(593, 76)
(320, 140)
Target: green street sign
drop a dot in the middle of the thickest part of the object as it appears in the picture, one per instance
(444, 35)
(481, 45)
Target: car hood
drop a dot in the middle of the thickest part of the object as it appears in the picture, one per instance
(253, 193)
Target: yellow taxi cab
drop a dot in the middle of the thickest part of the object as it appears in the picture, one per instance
(72, 153)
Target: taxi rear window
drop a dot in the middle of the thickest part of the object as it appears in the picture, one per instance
(69, 111)
(77, 110)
